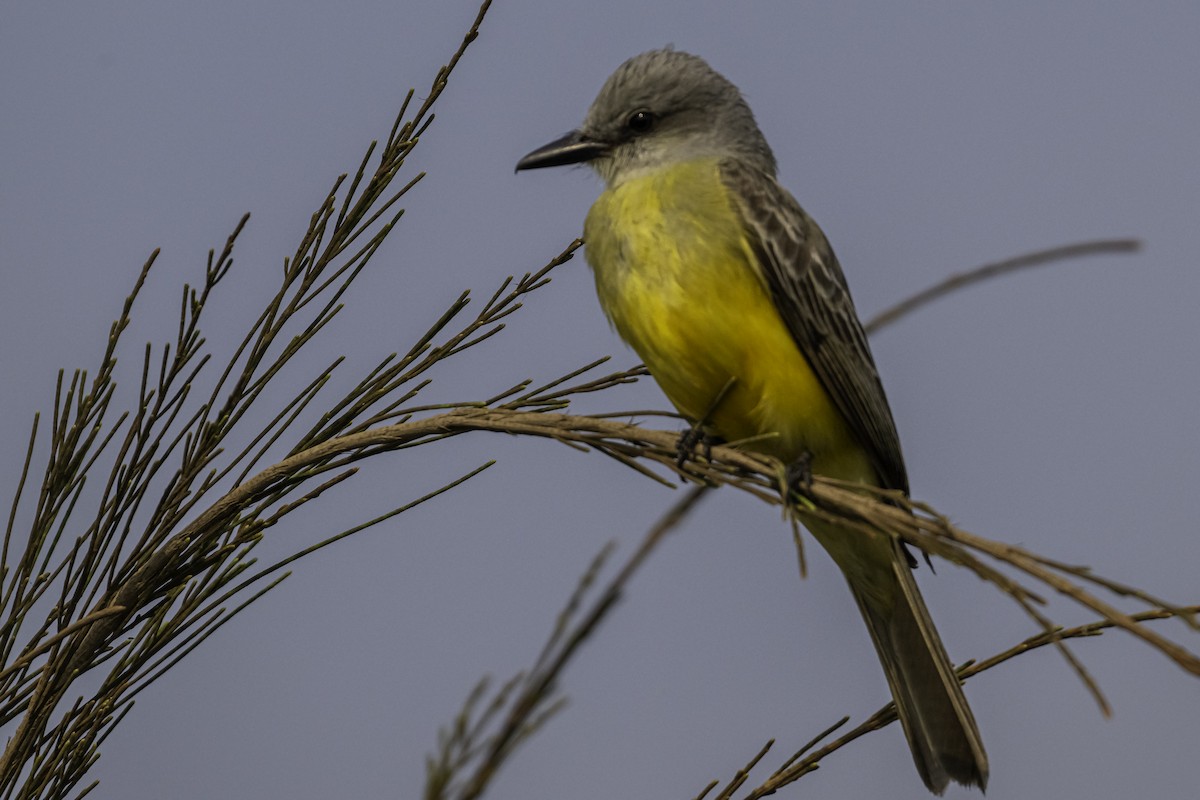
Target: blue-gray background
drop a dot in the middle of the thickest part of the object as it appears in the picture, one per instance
(1056, 410)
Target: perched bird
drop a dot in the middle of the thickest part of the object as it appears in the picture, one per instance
(733, 298)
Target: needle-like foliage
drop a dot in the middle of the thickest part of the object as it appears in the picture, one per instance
(134, 541)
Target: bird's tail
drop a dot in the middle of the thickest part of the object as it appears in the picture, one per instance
(934, 713)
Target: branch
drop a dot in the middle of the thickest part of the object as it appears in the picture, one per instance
(851, 506)
(473, 741)
(801, 764)
(961, 280)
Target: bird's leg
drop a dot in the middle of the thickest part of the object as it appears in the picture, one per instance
(689, 440)
(697, 433)
(798, 475)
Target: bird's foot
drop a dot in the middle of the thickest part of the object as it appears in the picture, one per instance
(799, 476)
(694, 437)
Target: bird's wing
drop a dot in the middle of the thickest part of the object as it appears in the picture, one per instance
(810, 293)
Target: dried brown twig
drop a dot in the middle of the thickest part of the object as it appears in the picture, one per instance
(852, 506)
(471, 744)
(997, 269)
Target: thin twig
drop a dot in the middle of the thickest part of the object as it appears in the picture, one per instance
(961, 280)
(795, 768)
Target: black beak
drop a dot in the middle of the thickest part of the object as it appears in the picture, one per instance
(574, 148)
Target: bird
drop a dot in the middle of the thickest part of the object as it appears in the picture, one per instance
(733, 298)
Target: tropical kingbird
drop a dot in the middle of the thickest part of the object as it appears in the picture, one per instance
(734, 300)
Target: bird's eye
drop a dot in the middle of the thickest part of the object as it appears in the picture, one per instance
(641, 121)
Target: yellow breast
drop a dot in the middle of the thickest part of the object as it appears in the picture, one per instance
(677, 277)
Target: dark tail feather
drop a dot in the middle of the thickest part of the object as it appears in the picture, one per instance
(929, 700)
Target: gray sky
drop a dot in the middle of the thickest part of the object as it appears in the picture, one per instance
(1055, 410)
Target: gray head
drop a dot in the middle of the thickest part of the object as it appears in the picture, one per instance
(659, 108)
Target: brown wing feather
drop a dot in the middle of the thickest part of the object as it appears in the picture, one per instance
(810, 293)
